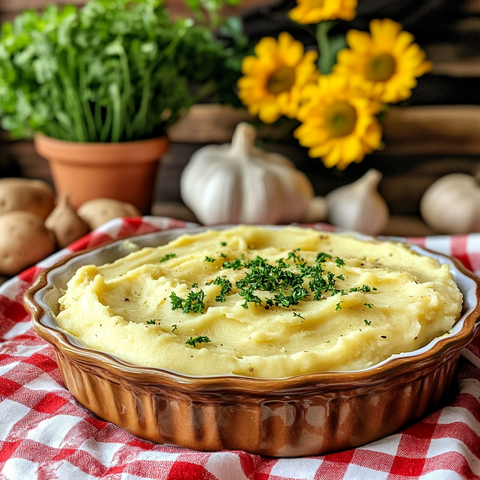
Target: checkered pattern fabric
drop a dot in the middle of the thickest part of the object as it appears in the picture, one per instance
(45, 434)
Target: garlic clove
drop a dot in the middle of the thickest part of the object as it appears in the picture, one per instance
(65, 224)
(359, 206)
(317, 211)
(451, 205)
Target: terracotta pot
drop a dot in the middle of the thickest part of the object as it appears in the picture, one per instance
(124, 171)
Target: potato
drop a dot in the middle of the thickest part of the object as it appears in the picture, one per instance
(98, 211)
(24, 241)
(26, 195)
(64, 222)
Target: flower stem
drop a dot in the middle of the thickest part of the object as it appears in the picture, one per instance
(326, 59)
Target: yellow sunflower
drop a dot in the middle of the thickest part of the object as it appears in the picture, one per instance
(339, 122)
(314, 11)
(387, 61)
(274, 78)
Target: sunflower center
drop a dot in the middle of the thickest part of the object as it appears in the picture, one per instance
(340, 119)
(380, 68)
(281, 80)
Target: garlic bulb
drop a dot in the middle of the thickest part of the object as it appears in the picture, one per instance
(317, 211)
(239, 183)
(452, 204)
(65, 224)
(358, 206)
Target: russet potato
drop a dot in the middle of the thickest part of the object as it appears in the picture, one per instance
(22, 194)
(24, 241)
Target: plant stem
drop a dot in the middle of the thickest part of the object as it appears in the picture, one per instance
(117, 112)
(125, 127)
(107, 124)
(326, 60)
(87, 111)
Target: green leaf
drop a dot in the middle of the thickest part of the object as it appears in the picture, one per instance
(115, 70)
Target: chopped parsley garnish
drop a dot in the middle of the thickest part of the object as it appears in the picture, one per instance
(193, 302)
(297, 293)
(293, 256)
(250, 297)
(174, 327)
(367, 322)
(285, 284)
(223, 244)
(235, 265)
(167, 257)
(282, 263)
(151, 322)
(192, 341)
(369, 305)
(339, 262)
(322, 257)
(295, 314)
(364, 289)
(225, 285)
(338, 306)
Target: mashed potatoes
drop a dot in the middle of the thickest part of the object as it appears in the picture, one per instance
(262, 303)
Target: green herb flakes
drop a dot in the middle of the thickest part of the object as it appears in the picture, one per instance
(285, 284)
(193, 302)
(225, 285)
(192, 341)
(339, 262)
(168, 256)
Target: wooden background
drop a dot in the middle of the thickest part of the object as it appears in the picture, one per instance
(423, 142)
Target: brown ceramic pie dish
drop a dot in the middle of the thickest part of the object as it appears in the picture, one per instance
(309, 414)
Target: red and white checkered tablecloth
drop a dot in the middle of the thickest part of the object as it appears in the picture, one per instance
(45, 434)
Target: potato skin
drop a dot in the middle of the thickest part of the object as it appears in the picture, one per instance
(24, 241)
(27, 195)
(98, 211)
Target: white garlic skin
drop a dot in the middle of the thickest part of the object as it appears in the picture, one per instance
(317, 211)
(239, 183)
(359, 206)
(64, 222)
(451, 205)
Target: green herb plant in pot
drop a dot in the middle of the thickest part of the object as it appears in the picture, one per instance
(99, 87)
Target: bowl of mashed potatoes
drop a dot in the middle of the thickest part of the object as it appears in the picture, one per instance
(280, 341)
